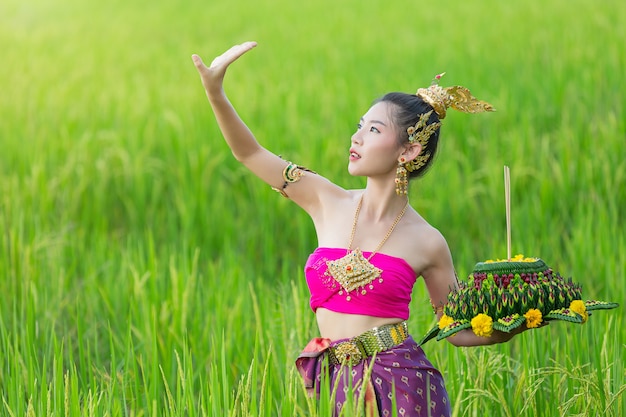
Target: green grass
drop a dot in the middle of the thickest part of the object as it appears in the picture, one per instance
(145, 273)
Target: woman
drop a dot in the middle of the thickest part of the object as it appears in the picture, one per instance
(372, 246)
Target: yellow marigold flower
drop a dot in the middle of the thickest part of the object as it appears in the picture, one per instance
(533, 318)
(517, 258)
(482, 325)
(445, 321)
(578, 306)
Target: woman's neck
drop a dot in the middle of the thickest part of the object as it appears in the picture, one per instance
(381, 202)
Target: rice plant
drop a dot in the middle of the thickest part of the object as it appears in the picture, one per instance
(145, 273)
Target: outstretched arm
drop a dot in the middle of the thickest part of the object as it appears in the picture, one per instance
(244, 146)
(238, 137)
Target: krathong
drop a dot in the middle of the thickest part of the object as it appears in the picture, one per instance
(505, 294)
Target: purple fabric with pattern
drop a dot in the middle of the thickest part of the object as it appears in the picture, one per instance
(419, 386)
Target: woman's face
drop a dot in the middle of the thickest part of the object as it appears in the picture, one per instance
(374, 148)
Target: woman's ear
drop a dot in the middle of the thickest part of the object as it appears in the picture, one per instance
(411, 151)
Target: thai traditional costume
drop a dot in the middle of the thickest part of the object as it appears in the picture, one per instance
(401, 376)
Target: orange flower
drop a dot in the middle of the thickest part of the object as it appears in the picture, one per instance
(482, 325)
(533, 318)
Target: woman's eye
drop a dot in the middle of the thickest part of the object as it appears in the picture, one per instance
(359, 126)
(373, 129)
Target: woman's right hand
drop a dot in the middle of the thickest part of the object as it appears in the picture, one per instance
(213, 76)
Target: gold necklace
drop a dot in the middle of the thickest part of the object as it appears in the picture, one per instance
(353, 270)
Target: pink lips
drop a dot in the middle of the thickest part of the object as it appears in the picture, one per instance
(354, 155)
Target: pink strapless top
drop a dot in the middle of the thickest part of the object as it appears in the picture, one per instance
(388, 296)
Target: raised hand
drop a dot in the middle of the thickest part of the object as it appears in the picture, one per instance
(213, 75)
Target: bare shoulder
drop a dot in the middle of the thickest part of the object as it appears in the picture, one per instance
(426, 249)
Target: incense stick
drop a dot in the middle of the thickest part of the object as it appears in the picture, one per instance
(507, 202)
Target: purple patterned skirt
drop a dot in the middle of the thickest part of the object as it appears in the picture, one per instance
(419, 387)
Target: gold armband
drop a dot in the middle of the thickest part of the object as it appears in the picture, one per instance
(291, 173)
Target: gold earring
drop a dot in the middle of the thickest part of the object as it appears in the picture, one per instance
(401, 180)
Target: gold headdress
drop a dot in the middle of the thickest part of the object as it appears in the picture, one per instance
(440, 98)
(457, 97)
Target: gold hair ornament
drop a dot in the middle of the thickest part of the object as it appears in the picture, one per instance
(420, 133)
(457, 97)
(440, 98)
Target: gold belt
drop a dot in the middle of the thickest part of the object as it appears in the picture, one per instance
(354, 350)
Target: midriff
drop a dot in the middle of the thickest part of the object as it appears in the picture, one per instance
(335, 326)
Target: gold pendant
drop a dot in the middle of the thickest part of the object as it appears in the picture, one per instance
(353, 270)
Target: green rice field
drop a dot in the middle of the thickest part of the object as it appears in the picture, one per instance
(143, 272)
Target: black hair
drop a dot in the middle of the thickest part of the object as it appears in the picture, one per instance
(406, 112)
